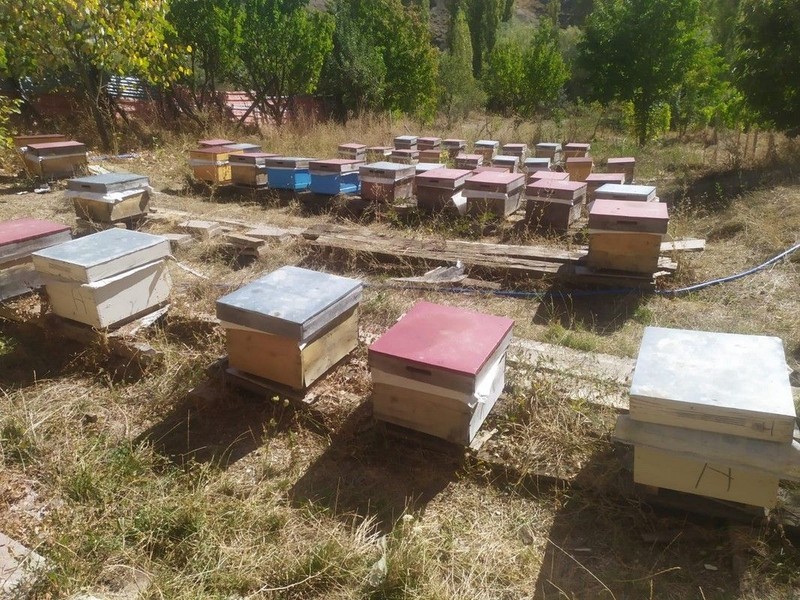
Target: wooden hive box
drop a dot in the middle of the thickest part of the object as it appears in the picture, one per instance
(335, 176)
(440, 370)
(506, 161)
(579, 168)
(378, 153)
(488, 169)
(454, 147)
(422, 167)
(625, 164)
(486, 148)
(551, 150)
(22, 141)
(469, 161)
(430, 156)
(386, 181)
(106, 278)
(595, 180)
(635, 193)
(718, 382)
(250, 169)
(404, 156)
(56, 159)
(718, 403)
(19, 238)
(493, 192)
(554, 204)
(429, 143)
(110, 197)
(537, 163)
(576, 150)
(625, 235)
(291, 326)
(518, 150)
(548, 175)
(353, 151)
(211, 164)
(436, 188)
(288, 173)
(405, 142)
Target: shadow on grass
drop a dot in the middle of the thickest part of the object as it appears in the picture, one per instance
(601, 314)
(366, 472)
(28, 354)
(605, 544)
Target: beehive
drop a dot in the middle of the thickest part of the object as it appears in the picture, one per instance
(440, 370)
(553, 204)
(576, 150)
(469, 161)
(454, 147)
(335, 176)
(508, 162)
(625, 235)
(727, 399)
(596, 180)
(518, 150)
(404, 156)
(493, 192)
(210, 143)
(288, 173)
(535, 163)
(636, 193)
(579, 168)
(487, 149)
(625, 164)
(110, 197)
(436, 188)
(386, 181)
(353, 151)
(19, 238)
(429, 143)
(405, 142)
(55, 159)
(291, 326)
(243, 148)
(250, 170)
(211, 164)
(106, 278)
(430, 156)
(551, 150)
(378, 153)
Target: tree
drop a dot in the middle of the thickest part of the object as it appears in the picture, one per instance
(282, 52)
(767, 64)
(212, 30)
(639, 51)
(394, 40)
(461, 92)
(525, 72)
(91, 40)
(483, 18)
(354, 73)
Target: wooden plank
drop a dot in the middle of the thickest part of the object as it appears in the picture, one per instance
(778, 460)
(683, 245)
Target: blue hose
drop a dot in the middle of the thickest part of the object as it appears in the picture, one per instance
(610, 292)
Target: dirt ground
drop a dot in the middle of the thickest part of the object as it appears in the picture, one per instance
(210, 492)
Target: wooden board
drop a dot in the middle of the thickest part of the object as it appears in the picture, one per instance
(720, 382)
(284, 361)
(665, 470)
(112, 209)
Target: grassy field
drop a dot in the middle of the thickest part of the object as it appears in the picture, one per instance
(130, 485)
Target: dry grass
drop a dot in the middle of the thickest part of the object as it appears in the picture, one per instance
(222, 495)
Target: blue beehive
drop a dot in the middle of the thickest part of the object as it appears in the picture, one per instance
(288, 173)
(335, 176)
